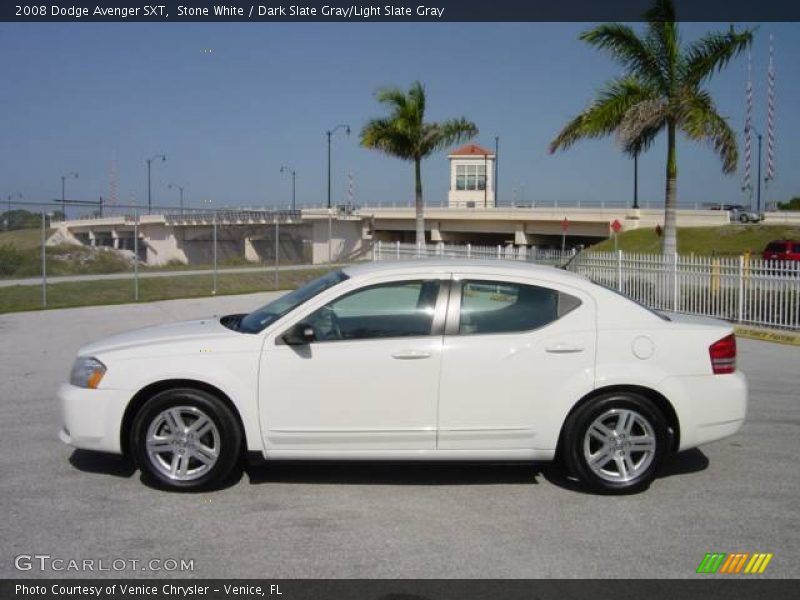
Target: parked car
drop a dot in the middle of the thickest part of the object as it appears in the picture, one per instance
(782, 250)
(422, 360)
(746, 216)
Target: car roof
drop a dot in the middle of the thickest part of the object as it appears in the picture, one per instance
(489, 267)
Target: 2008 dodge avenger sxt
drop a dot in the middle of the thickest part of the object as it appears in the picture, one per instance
(425, 360)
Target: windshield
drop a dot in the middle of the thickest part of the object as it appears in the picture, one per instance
(264, 316)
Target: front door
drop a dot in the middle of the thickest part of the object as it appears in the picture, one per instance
(369, 379)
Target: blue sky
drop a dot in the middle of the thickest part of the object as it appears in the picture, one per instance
(78, 95)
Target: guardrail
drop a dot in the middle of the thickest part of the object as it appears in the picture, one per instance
(734, 288)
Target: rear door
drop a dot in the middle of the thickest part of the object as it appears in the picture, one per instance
(516, 355)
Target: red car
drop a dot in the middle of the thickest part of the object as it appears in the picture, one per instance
(782, 250)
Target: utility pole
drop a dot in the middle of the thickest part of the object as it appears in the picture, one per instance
(329, 133)
(74, 175)
(149, 190)
(496, 161)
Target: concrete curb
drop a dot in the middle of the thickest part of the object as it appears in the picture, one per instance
(769, 335)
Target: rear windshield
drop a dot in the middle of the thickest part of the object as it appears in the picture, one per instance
(776, 247)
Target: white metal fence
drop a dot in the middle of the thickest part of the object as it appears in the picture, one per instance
(400, 251)
(739, 288)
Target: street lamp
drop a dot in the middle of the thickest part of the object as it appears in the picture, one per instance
(74, 175)
(294, 174)
(496, 162)
(149, 192)
(329, 133)
(10, 197)
(180, 191)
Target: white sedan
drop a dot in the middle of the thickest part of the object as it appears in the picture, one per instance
(423, 360)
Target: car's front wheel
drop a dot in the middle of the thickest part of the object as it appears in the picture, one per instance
(616, 442)
(186, 439)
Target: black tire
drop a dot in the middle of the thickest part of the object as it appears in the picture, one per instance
(574, 449)
(743, 218)
(225, 434)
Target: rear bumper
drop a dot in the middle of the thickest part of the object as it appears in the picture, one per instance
(709, 407)
(91, 419)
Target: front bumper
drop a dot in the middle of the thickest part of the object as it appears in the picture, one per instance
(92, 418)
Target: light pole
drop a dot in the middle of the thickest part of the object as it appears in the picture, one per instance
(329, 133)
(74, 175)
(496, 161)
(758, 189)
(149, 191)
(213, 241)
(180, 191)
(10, 197)
(294, 174)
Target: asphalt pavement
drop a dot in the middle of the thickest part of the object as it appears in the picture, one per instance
(348, 520)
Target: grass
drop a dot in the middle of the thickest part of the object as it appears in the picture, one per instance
(23, 239)
(92, 293)
(729, 240)
(20, 257)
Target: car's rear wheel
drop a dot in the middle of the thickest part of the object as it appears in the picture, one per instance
(186, 439)
(616, 442)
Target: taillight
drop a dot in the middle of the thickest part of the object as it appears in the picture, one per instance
(723, 355)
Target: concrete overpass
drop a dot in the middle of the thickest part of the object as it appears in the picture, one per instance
(319, 235)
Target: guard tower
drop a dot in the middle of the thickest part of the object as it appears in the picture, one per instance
(471, 177)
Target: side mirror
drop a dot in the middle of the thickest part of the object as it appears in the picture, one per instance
(299, 335)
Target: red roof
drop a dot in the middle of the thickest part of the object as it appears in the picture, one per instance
(471, 150)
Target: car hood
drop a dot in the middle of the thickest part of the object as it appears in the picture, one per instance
(199, 330)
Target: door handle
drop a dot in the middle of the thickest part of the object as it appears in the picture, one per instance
(411, 354)
(561, 348)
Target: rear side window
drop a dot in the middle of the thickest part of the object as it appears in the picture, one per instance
(502, 307)
(796, 249)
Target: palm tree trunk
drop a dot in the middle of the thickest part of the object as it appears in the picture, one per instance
(670, 240)
(420, 207)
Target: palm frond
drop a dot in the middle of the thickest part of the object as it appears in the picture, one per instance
(442, 135)
(700, 121)
(404, 133)
(384, 135)
(641, 123)
(712, 53)
(604, 115)
(627, 48)
(663, 36)
(392, 97)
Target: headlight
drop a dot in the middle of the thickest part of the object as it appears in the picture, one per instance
(87, 372)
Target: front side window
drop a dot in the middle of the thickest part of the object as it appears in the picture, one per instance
(397, 309)
(501, 307)
(264, 316)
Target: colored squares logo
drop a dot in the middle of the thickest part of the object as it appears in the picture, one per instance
(735, 563)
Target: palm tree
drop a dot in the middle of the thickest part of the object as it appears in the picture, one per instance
(406, 135)
(662, 90)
